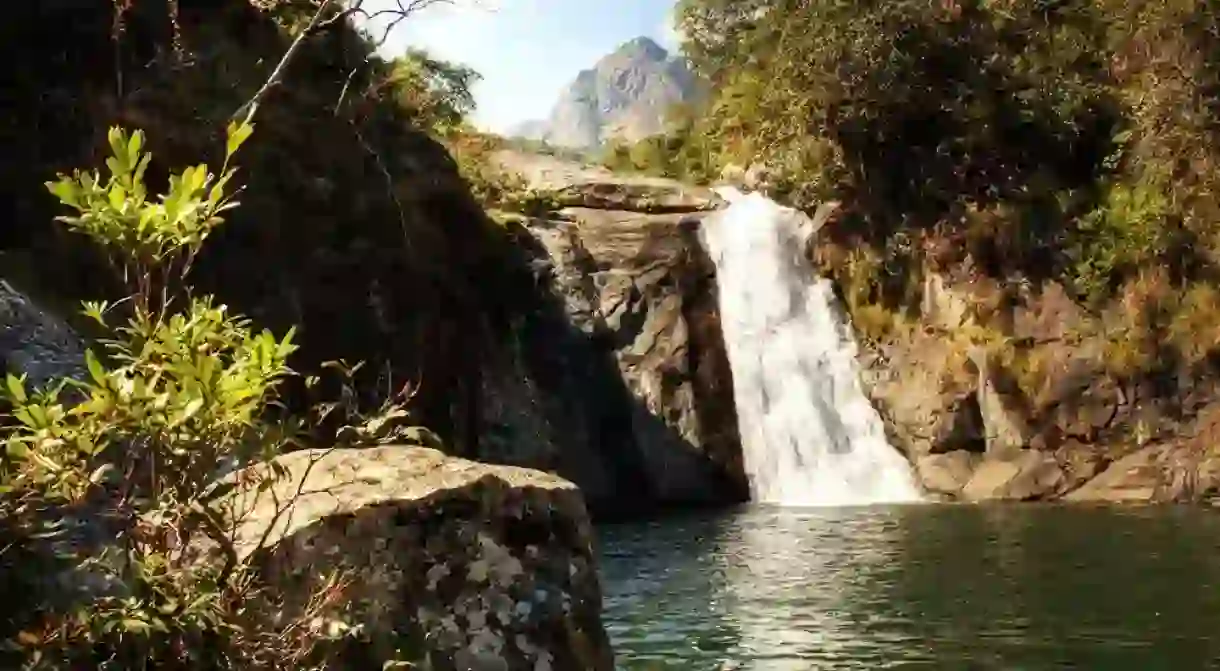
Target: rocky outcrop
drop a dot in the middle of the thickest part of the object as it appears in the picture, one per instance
(465, 565)
(946, 474)
(1013, 403)
(1022, 476)
(623, 355)
(640, 195)
(927, 395)
(1006, 421)
(1185, 468)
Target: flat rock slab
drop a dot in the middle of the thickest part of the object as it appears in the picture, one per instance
(639, 195)
(1134, 478)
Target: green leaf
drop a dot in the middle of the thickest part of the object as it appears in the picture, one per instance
(138, 177)
(24, 417)
(286, 347)
(237, 135)
(17, 449)
(118, 142)
(117, 197)
(191, 408)
(66, 191)
(95, 368)
(95, 310)
(102, 473)
(16, 387)
(133, 147)
(135, 626)
(199, 178)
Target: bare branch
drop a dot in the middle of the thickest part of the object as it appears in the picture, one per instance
(399, 12)
(247, 111)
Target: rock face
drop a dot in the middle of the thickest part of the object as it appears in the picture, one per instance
(627, 95)
(467, 565)
(36, 343)
(1186, 468)
(1065, 430)
(621, 380)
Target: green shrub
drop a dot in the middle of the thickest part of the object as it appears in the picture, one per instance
(179, 395)
(1130, 229)
(680, 152)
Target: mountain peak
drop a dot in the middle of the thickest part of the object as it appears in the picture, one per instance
(625, 95)
(644, 46)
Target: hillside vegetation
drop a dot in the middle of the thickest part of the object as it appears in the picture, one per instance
(1073, 141)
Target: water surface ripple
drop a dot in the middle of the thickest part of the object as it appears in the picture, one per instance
(916, 587)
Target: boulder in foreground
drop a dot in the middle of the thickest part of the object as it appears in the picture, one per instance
(468, 565)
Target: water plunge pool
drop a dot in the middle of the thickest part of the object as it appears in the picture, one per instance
(916, 587)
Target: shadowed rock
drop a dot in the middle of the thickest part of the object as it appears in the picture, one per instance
(36, 343)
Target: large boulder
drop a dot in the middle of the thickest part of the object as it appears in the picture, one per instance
(1030, 475)
(1135, 478)
(1185, 467)
(468, 565)
(926, 393)
(946, 474)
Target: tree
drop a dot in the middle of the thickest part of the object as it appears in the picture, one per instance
(436, 92)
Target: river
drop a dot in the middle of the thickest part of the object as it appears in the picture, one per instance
(916, 587)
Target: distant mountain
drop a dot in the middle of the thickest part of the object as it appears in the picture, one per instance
(534, 129)
(624, 95)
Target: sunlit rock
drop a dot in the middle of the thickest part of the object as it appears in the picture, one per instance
(437, 568)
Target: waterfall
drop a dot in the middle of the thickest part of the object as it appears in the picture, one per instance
(810, 436)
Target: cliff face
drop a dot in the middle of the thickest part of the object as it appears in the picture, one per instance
(618, 378)
(1037, 414)
(627, 95)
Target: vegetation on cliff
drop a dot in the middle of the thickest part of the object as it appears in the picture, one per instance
(1073, 142)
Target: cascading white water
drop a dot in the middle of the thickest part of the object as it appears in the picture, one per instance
(809, 434)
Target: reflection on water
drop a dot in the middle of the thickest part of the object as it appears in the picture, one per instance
(930, 587)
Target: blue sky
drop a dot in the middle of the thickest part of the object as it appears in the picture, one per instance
(528, 50)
